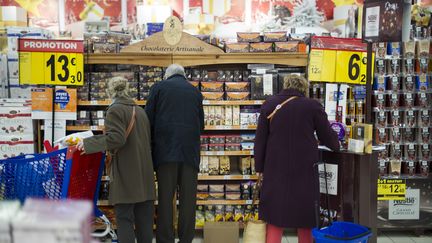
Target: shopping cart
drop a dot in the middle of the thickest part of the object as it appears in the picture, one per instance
(56, 175)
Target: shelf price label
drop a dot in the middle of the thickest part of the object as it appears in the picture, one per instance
(391, 189)
(51, 62)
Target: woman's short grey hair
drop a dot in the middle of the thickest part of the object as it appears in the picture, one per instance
(174, 69)
(296, 82)
(118, 87)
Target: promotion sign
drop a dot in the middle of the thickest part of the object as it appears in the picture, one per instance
(409, 208)
(65, 105)
(391, 189)
(51, 62)
(338, 60)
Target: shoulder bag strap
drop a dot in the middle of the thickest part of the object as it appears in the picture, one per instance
(278, 107)
(131, 123)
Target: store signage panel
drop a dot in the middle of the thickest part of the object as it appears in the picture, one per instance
(391, 189)
(409, 208)
(329, 173)
(337, 60)
(51, 62)
(65, 104)
(386, 21)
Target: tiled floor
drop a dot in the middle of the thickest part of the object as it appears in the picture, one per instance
(387, 237)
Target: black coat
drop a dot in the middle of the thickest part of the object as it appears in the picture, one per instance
(285, 152)
(176, 116)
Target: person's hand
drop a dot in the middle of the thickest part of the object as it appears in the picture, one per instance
(80, 147)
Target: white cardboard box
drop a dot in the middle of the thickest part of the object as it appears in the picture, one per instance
(20, 92)
(12, 13)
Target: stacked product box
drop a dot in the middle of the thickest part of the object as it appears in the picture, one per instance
(99, 84)
(222, 115)
(402, 108)
(105, 42)
(17, 135)
(225, 213)
(228, 191)
(53, 221)
(148, 76)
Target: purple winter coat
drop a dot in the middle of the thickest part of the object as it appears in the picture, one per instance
(285, 152)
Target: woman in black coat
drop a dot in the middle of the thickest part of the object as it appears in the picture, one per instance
(286, 150)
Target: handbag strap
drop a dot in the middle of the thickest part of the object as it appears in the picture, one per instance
(131, 123)
(278, 107)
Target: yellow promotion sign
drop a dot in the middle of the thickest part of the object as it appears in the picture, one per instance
(51, 62)
(391, 189)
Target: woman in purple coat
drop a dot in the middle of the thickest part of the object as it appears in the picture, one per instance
(286, 150)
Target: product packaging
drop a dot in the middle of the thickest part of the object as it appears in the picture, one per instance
(394, 49)
(275, 36)
(261, 47)
(236, 115)
(204, 165)
(424, 135)
(394, 66)
(106, 48)
(381, 50)
(263, 86)
(248, 37)
(381, 136)
(229, 213)
(409, 66)
(212, 86)
(232, 147)
(425, 153)
(224, 165)
(287, 46)
(216, 139)
(396, 118)
(210, 213)
(422, 83)
(213, 95)
(233, 139)
(228, 116)
(237, 47)
(395, 167)
(396, 135)
(424, 118)
(422, 100)
(381, 67)
(409, 83)
(200, 217)
(238, 213)
(410, 118)
(219, 213)
(409, 135)
(213, 164)
(237, 95)
(381, 119)
(383, 168)
(409, 49)
(394, 101)
(394, 83)
(245, 165)
(237, 86)
(424, 168)
(380, 83)
(379, 101)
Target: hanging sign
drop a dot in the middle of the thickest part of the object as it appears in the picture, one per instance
(391, 189)
(64, 103)
(406, 209)
(329, 173)
(338, 60)
(51, 62)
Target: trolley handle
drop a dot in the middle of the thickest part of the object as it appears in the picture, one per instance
(349, 238)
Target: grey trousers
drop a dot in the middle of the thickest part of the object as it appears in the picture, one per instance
(138, 214)
(170, 176)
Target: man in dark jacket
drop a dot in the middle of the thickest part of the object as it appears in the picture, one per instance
(176, 115)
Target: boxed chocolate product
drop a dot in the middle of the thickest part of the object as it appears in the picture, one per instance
(9, 149)
(423, 65)
(425, 153)
(228, 116)
(217, 195)
(245, 165)
(411, 152)
(394, 101)
(232, 187)
(213, 95)
(229, 213)
(216, 147)
(287, 46)
(380, 83)
(213, 164)
(120, 38)
(216, 188)
(422, 99)
(381, 50)
(204, 139)
(247, 146)
(379, 101)
(237, 86)
(216, 139)
(396, 118)
(381, 136)
(233, 196)
(381, 67)
(219, 213)
(237, 95)
(394, 83)
(381, 119)
(237, 47)
(248, 37)
(409, 135)
(210, 213)
(264, 85)
(200, 216)
(424, 118)
(383, 168)
(409, 66)
(95, 114)
(221, 76)
(230, 139)
(423, 48)
(206, 115)
(409, 168)
(196, 75)
(98, 122)
(394, 49)
(211, 119)
(261, 47)
(409, 83)
(422, 83)
(410, 118)
(232, 147)
(409, 49)
(395, 167)
(364, 132)
(99, 96)
(219, 115)
(275, 36)
(394, 66)
(246, 191)
(424, 135)
(203, 188)
(204, 165)
(224, 165)
(237, 76)
(212, 86)
(424, 168)
(106, 48)
(249, 137)
(396, 135)
(236, 115)
(246, 75)
(396, 151)
(83, 122)
(229, 76)
(238, 213)
(249, 117)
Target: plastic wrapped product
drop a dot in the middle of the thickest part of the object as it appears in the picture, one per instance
(409, 49)
(216, 139)
(229, 213)
(381, 67)
(383, 168)
(263, 85)
(422, 83)
(216, 147)
(424, 168)
(204, 165)
(396, 135)
(422, 99)
(237, 76)
(246, 191)
(233, 139)
(411, 152)
(229, 75)
(210, 213)
(410, 118)
(381, 119)
(381, 50)
(219, 213)
(200, 217)
(396, 117)
(423, 65)
(394, 49)
(409, 66)
(424, 135)
(204, 147)
(424, 118)
(381, 136)
(395, 167)
(224, 165)
(394, 66)
(409, 135)
(380, 101)
(396, 151)
(409, 83)
(425, 152)
(245, 165)
(394, 101)
(394, 83)
(233, 196)
(249, 213)
(238, 213)
(380, 83)
(213, 165)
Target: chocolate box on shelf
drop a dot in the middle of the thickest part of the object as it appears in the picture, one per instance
(261, 47)
(248, 37)
(263, 86)
(237, 47)
(288, 46)
(275, 36)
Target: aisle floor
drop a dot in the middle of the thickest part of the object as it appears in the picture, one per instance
(386, 237)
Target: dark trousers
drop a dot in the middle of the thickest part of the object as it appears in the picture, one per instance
(169, 176)
(138, 214)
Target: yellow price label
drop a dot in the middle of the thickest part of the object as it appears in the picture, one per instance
(51, 62)
(322, 65)
(351, 67)
(391, 189)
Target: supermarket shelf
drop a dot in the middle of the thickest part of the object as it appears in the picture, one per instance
(199, 202)
(164, 60)
(102, 227)
(100, 128)
(205, 102)
(226, 153)
(214, 177)
(230, 127)
(104, 102)
(227, 177)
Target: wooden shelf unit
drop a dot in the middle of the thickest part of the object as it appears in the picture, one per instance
(205, 102)
(208, 128)
(215, 177)
(199, 202)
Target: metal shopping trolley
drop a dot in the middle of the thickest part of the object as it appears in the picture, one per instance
(56, 175)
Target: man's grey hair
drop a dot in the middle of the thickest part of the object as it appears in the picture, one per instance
(174, 69)
(118, 87)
